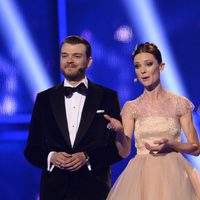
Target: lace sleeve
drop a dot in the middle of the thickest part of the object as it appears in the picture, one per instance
(184, 105)
(128, 110)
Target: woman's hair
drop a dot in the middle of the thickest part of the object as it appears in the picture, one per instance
(148, 48)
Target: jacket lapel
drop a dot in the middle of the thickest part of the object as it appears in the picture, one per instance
(92, 102)
(58, 106)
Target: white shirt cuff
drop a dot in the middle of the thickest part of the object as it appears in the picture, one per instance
(50, 166)
(89, 165)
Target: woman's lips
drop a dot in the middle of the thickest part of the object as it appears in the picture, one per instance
(145, 78)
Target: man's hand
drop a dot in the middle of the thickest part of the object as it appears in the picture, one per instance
(71, 162)
(58, 158)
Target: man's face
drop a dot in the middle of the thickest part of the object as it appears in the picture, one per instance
(73, 61)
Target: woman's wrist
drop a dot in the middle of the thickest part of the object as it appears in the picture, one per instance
(120, 135)
(183, 147)
(171, 144)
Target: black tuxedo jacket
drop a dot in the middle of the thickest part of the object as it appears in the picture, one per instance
(49, 132)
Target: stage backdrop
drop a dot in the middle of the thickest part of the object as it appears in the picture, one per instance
(30, 34)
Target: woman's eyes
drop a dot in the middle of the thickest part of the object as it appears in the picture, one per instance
(136, 66)
(146, 64)
(149, 63)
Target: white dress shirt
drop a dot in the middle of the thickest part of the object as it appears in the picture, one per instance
(74, 107)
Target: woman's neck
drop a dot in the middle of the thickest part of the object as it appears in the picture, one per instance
(154, 94)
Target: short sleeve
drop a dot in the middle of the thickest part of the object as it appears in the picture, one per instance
(184, 105)
(128, 110)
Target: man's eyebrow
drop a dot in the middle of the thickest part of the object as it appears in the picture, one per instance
(76, 53)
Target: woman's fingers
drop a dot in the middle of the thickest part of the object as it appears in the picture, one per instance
(107, 117)
(162, 141)
(114, 124)
(110, 126)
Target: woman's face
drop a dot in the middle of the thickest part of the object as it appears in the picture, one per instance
(147, 69)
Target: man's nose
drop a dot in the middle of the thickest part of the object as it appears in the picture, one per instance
(70, 60)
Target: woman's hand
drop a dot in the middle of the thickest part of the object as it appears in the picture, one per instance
(114, 124)
(122, 141)
(162, 146)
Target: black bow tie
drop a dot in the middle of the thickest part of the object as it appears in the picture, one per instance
(81, 88)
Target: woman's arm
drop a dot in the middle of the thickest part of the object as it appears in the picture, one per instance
(190, 147)
(123, 134)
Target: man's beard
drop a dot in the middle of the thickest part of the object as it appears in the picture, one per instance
(78, 75)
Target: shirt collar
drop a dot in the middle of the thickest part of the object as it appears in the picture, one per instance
(84, 80)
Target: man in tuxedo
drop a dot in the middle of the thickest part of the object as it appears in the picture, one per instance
(68, 134)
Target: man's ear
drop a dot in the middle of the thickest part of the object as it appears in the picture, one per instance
(89, 62)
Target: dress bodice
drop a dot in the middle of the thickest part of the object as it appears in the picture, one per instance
(158, 120)
(150, 129)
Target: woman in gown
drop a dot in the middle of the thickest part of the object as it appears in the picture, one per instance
(158, 171)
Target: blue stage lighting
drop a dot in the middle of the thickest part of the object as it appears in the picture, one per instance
(24, 52)
(62, 19)
(149, 28)
(62, 23)
(8, 104)
(124, 34)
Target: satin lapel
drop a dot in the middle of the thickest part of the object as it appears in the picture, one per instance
(58, 107)
(92, 101)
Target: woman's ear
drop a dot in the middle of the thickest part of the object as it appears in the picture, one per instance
(161, 66)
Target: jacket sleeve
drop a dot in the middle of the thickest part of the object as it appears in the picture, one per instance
(36, 151)
(107, 154)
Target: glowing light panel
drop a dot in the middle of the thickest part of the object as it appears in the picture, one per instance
(19, 40)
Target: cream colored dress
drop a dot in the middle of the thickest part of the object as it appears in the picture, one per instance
(163, 176)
